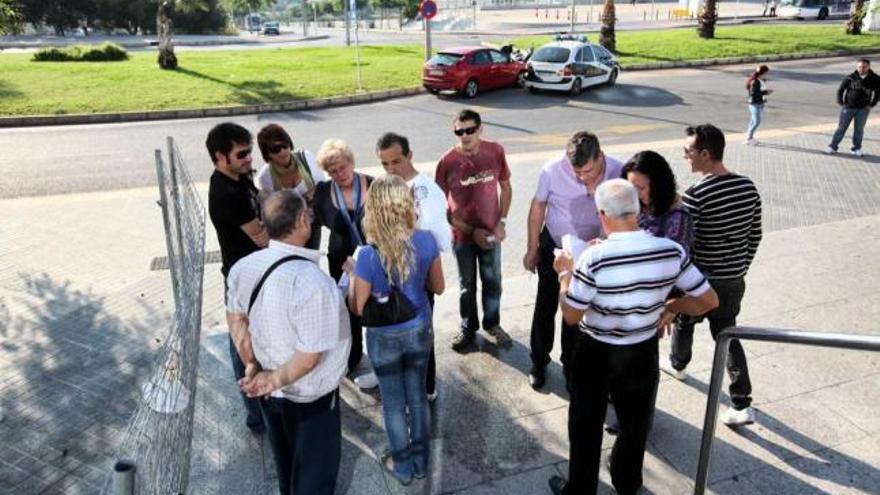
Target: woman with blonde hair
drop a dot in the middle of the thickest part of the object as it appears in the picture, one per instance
(408, 259)
(339, 206)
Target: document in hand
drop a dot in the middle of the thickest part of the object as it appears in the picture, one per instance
(574, 245)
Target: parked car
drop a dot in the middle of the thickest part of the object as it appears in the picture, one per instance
(467, 70)
(571, 64)
(271, 27)
(813, 9)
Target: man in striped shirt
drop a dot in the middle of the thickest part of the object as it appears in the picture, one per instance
(726, 209)
(617, 293)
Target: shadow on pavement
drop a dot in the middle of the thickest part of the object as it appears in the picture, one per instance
(70, 385)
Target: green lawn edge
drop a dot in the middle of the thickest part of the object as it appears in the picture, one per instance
(242, 77)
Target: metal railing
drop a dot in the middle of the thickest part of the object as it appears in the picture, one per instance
(836, 340)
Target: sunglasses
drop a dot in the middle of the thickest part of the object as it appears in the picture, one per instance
(244, 153)
(466, 130)
(276, 148)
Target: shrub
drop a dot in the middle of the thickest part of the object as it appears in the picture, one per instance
(107, 52)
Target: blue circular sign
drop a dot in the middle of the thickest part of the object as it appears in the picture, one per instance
(428, 9)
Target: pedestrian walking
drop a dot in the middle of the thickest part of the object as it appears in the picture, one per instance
(756, 85)
(857, 95)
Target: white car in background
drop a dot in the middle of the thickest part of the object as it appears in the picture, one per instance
(571, 64)
(813, 9)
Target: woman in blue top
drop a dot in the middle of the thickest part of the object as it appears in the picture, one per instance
(399, 353)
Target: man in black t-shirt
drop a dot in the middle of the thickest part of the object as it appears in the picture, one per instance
(235, 213)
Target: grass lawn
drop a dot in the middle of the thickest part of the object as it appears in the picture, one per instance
(636, 47)
(236, 77)
(205, 78)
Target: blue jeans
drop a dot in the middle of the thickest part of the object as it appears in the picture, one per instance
(400, 360)
(847, 115)
(468, 257)
(756, 111)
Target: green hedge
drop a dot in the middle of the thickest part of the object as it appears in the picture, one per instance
(107, 52)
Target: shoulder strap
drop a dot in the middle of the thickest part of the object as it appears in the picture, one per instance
(301, 156)
(271, 269)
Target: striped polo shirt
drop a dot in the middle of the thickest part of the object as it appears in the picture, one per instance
(622, 285)
(726, 210)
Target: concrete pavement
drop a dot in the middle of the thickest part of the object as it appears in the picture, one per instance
(81, 314)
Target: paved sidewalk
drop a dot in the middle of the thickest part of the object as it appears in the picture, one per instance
(81, 314)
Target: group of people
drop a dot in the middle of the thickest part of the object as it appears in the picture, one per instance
(617, 249)
(857, 94)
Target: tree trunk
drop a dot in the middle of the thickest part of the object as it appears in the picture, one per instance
(706, 17)
(854, 25)
(167, 58)
(606, 33)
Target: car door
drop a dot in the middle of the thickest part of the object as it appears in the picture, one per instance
(482, 68)
(605, 61)
(501, 69)
(595, 71)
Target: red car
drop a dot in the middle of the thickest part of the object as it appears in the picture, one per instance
(467, 70)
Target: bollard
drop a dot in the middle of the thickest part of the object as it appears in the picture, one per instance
(123, 478)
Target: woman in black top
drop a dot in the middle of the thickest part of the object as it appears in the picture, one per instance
(349, 188)
(757, 98)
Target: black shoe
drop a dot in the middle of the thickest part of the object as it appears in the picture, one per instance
(463, 340)
(557, 485)
(256, 426)
(536, 377)
(612, 428)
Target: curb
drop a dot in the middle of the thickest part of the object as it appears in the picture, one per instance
(151, 43)
(745, 60)
(356, 99)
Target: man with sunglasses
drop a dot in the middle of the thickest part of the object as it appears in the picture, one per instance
(726, 209)
(563, 205)
(235, 212)
(475, 178)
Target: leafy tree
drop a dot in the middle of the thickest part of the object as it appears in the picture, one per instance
(10, 18)
(131, 15)
(706, 19)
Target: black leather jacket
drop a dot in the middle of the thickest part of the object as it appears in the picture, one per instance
(858, 92)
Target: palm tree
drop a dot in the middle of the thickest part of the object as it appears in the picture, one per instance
(606, 32)
(706, 18)
(854, 25)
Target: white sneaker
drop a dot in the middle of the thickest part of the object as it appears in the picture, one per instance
(733, 417)
(751, 142)
(829, 151)
(666, 367)
(432, 396)
(367, 381)
(858, 152)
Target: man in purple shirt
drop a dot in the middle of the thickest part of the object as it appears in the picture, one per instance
(563, 204)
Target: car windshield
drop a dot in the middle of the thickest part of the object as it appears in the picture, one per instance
(801, 3)
(271, 24)
(445, 59)
(552, 54)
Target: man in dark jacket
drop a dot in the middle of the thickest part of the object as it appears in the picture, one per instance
(857, 94)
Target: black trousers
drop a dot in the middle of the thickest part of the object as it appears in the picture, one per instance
(629, 374)
(730, 295)
(306, 440)
(546, 306)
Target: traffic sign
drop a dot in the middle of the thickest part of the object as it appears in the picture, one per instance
(428, 9)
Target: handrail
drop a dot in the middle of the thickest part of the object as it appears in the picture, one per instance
(837, 340)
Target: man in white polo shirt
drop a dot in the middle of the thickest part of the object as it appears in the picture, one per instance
(287, 317)
(617, 293)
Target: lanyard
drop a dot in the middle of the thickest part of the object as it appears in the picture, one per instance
(343, 210)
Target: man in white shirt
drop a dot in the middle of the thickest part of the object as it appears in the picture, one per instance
(617, 294)
(396, 156)
(290, 326)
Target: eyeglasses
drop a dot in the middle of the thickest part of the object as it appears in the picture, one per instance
(276, 148)
(241, 155)
(466, 130)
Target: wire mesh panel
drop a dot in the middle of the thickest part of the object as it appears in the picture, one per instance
(158, 441)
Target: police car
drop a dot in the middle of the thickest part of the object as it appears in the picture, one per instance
(571, 64)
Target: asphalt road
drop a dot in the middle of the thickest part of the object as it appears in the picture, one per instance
(643, 107)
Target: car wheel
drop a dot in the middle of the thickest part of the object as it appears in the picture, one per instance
(433, 91)
(533, 89)
(520, 81)
(612, 79)
(823, 13)
(576, 87)
(471, 88)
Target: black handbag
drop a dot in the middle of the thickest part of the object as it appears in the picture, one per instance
(396, 308)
